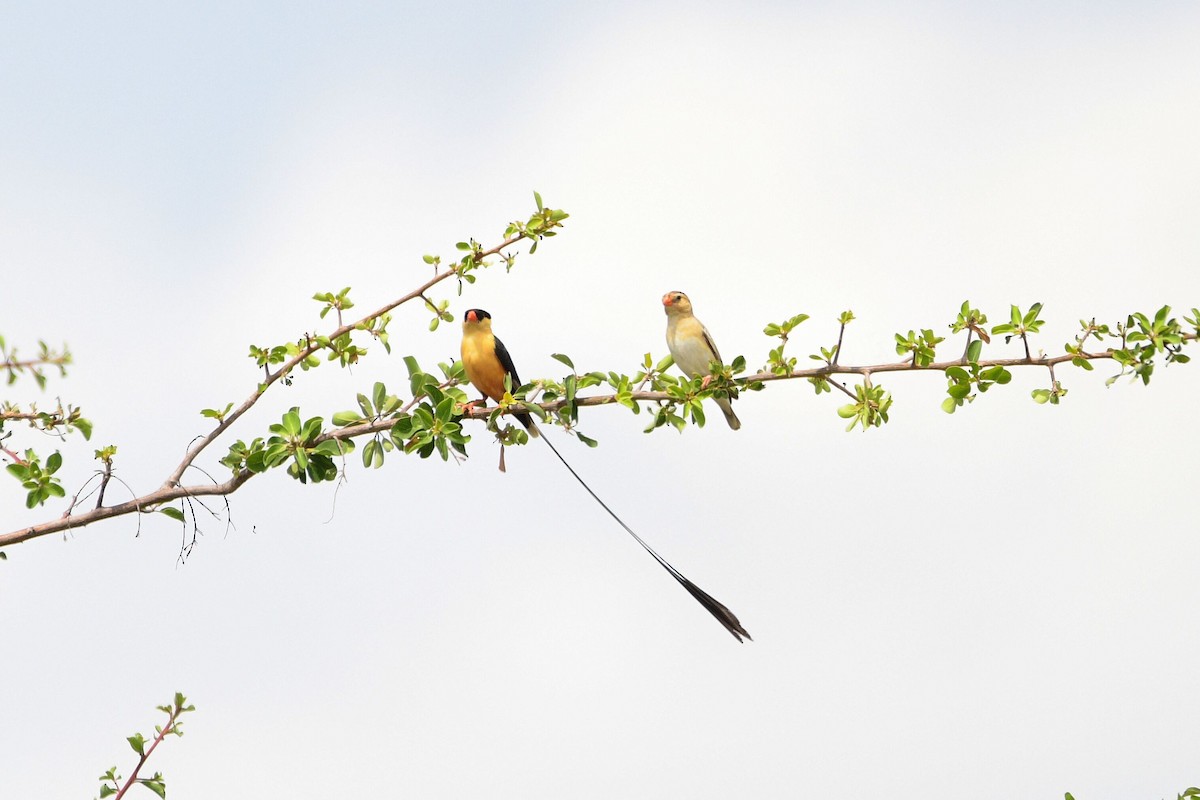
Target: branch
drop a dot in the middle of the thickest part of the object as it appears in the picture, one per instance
(53, 360)
(169, 728)
(41, 482)
(483, 413)
(19, 415)
(145, 504)
(310, 349)
(46, 357)
(138, 742)
(816, 372)
(173, 491)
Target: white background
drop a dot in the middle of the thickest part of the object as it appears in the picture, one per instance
(994, 604)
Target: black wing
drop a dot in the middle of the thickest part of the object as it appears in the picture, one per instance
(506, 362)
(523, 417)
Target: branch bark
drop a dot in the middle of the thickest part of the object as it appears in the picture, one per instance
(173, 490)
(284, 370)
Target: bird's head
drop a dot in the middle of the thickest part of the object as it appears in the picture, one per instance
(676, 303)
(476, 317)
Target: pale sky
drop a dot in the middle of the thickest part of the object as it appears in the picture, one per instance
(998, 603)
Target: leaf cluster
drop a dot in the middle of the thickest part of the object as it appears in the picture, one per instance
(38, 480)
(428, 419)
(14, 366)
(1144, 338)
(110, 781)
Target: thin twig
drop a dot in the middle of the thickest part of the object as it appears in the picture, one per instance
(311, 348)
(104, 482)
(842, 386)
(49, 361)
(167, 729)
(837, 352)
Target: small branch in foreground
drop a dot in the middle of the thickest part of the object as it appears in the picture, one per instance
(138, 742)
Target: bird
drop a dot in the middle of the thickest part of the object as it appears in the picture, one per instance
(487, 362)
(693, 348)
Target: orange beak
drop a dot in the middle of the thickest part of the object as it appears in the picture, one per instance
(472, 316)
(666, 299)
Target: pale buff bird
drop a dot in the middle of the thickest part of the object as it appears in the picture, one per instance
(692, 346)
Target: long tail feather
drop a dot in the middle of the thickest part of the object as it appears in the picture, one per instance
(718, 610)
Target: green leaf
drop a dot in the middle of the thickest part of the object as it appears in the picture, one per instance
(53, 462)
(973, 350)
(343, 418)
(588, 441)
(958, 391)
(173, 513)
(138, 743)
(1032, 316)
(958, 374)
(334, 448)
(155, 785)
(291, 422)
(445, 409)
(257, 461)
(312, 429)
(364, 403)
(949, 405)
(847, 411)
(564, 359)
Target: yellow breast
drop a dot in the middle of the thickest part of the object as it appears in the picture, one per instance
(480, 362)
